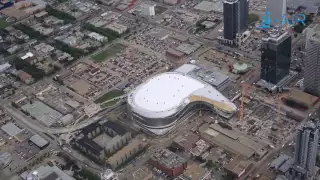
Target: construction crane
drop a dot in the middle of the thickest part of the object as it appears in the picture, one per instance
(245, 87)
(277, 119)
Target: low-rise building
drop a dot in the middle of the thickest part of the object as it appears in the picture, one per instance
(195, 172)
(117, 137)
(109, 175)
(238, 167)
(5, 159)
(49, 173)
(148, 10)
(4, 67)
(174, 53)
(200, 147)
(120, 157)
(91, 148)
(39, 141)
(186, 142)
(98, 37)
(119, 28)
(168, 162)
(25, 77)
(43, 47)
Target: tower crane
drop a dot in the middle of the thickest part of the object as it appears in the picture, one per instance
(245, 87)
(277, 118)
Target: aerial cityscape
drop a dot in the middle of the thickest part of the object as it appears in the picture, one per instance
(159, 90)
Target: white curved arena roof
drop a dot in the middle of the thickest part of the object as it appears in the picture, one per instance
(167, 93)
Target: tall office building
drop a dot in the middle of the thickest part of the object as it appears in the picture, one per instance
(312, 61)
(277, 9)
(275, 57)
(306, 149)
(235, 17)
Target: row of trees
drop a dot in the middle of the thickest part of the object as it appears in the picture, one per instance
(31, 69)
(29, 31)
(59, 14)
(112, 35)
(86, 174)
(76, 53)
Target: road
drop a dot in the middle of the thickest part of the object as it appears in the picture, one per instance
(52, 130)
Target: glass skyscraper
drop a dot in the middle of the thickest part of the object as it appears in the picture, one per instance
(235, 17)
(275, 57)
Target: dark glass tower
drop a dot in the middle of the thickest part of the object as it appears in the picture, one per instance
(235, 17)
(275, 57)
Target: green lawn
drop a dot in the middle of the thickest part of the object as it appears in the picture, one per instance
(3, 23)
(110, 103)
(111, 51)
(109, 95)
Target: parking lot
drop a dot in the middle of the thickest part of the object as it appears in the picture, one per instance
(21, 152)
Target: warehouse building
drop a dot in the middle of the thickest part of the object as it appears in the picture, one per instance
(168, 162)
(48, 173)
(42, 113)
(235, 142)
(5, 159)
(39, 141)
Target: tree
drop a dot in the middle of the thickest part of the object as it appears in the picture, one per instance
(210, 163)
(252, 18)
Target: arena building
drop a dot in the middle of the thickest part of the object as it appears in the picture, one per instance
(161, 101)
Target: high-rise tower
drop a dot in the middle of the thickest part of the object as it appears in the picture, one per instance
(275, 57)
(306, 149)
(312, 61)
(277, 9)
(235, 18)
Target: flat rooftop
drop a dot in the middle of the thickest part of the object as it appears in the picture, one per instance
(167, 158)
(134, 144)
(238, 165)
(216, 79)
(194, 171)
(42, 112)
(11, 129)
(38, 140)
(235, 142)
(187, 141)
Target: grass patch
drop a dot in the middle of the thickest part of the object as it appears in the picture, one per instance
(111, 51)
(3, 23)
(110, 103)
(109, 95)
